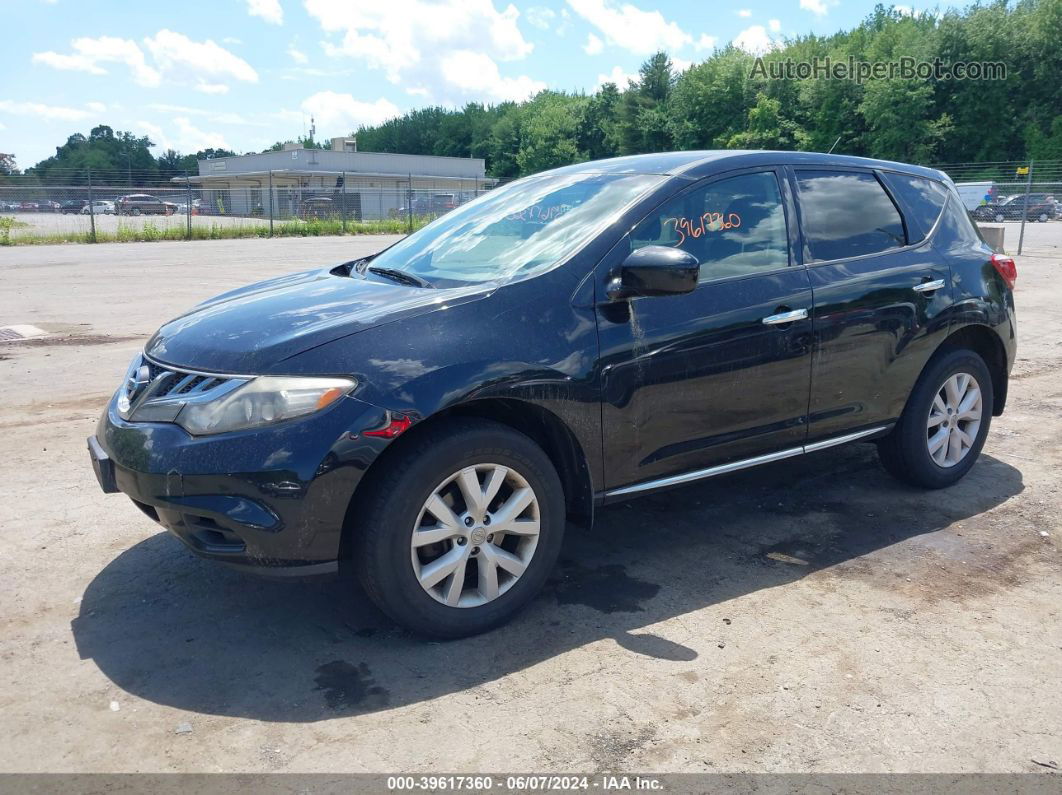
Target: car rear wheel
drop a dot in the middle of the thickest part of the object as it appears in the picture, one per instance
(1042, 218)
(460, 530)
(944, 425)
(999, 218)
(136, 211)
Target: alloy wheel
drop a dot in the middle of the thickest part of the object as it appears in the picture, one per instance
(954, 420)
(475, 535)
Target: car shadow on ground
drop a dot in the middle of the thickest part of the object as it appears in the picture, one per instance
(175, 630)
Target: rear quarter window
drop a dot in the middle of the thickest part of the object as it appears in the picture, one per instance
(923, 200)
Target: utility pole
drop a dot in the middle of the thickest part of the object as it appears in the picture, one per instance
(270, 202)
(409, 205)
(188, 204)
(1025, 208)
(92, 210)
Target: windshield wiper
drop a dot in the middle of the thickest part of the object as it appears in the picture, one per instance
(401, 276)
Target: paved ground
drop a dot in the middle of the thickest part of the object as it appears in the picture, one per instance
(808, 616)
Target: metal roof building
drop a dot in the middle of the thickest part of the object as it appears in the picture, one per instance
(371, 184)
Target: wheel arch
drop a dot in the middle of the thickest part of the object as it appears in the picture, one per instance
(987, 344)
(542, 426)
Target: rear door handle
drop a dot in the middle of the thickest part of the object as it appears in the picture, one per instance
(929, 287)
(785, 317)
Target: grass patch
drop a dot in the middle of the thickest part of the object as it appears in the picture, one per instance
(6, 225)
(148, 231)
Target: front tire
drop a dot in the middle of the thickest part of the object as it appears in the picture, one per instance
(944, 424)
(460, 530)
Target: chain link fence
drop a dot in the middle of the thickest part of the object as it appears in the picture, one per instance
(94, 211)
(1009, 192)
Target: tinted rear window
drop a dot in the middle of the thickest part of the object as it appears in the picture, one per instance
(923, 200)
(847, 214)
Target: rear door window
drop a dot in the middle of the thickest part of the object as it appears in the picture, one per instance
(923, 200)
(847, 214)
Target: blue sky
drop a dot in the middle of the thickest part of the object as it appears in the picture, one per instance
(242, 74)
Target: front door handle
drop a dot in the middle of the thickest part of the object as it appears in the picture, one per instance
(785, 317)
(929, 287)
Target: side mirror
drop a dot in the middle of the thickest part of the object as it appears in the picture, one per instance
(655, 270)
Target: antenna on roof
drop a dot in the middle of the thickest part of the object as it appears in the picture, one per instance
(834, 144)
(313, 129)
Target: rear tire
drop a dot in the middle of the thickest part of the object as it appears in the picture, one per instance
(944, 424)
(442, 465)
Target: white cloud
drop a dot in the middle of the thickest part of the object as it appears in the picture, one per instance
(679, 65)
(775, 25)
(754, 40)
(814, 6)
(705, 42)
(96, 107)
(593, 45)
(220, 118)
(565, 23)
(211, 88)
(341, 113)
(269, 10)
(627, 26)
(177, 52)
(540, 17)
(182, 135)
(744, 12)
(409, 40)
(42, 111)
(231, 40)
(905, 11)
(475, 73)
(175, 56)
(617, 76)
(297, 55)
(90, 53)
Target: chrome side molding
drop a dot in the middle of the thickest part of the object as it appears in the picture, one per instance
(745, 463)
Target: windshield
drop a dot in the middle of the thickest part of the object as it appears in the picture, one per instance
(515, 231)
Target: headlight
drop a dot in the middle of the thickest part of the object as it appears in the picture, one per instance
(262, 401)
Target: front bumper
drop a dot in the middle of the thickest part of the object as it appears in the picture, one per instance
(272, 499)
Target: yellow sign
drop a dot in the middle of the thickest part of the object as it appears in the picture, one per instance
(1023, 170)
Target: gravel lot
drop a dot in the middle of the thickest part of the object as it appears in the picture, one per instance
(808, 616)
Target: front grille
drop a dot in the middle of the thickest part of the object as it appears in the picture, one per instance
(151, 384)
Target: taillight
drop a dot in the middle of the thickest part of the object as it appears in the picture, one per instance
(1006, 268)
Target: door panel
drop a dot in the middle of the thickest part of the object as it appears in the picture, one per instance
(695, 380)
(874, 326)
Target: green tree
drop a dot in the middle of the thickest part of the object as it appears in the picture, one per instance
(548, 132)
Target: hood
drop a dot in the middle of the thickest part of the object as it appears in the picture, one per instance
(252, 329)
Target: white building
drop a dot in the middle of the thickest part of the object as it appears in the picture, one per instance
(362, 185)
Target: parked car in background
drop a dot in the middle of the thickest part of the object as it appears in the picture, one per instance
(434, 415)
(27, 206)
(1041, 207)
(141, 204)
(99, 207)
(49, 206)
(72, 206)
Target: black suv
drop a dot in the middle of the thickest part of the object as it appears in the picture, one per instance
(1041, 207)
(434, 415)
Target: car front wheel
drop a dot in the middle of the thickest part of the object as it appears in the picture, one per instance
(460, 529)
(999, 218)
(943, 427)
